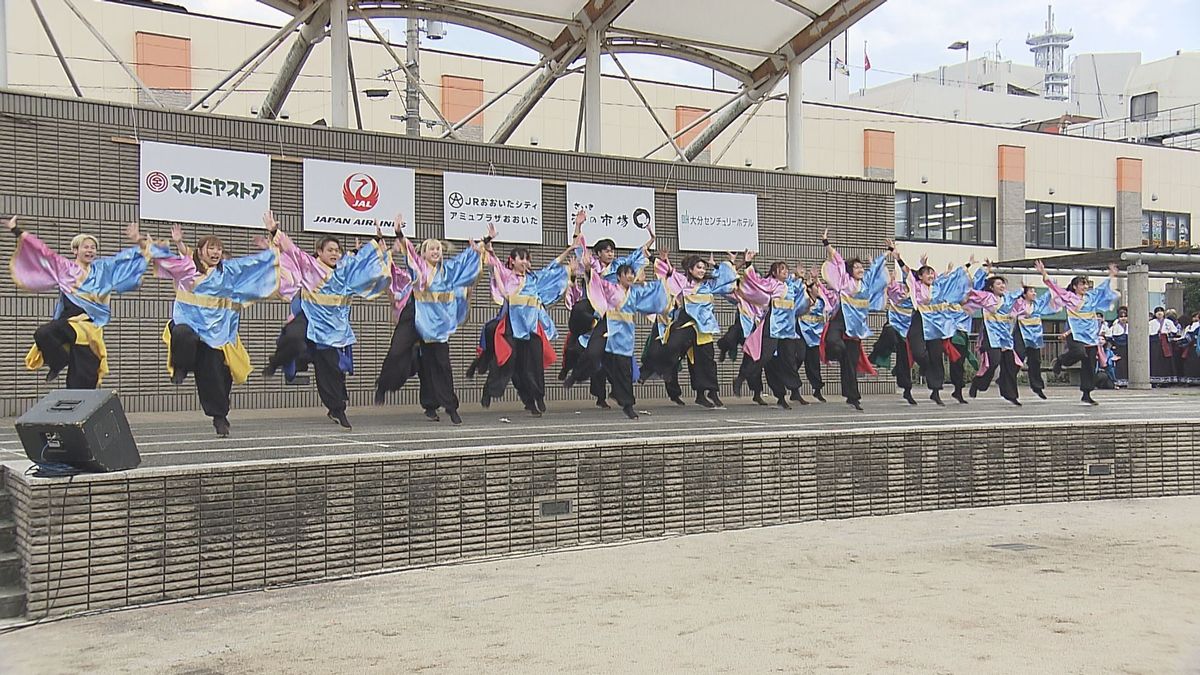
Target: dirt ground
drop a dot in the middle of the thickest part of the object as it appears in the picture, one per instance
(1098, 587)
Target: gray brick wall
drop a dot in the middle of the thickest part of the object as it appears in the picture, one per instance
(113, 540)
(68, 165)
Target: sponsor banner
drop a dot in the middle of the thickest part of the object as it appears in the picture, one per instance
(190, 184)
(470, 201)
(349, 198)
(717, 221)
(623, 214)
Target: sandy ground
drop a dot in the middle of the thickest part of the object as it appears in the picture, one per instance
(1100, 587)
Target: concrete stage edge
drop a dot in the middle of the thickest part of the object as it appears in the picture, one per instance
(106, 541)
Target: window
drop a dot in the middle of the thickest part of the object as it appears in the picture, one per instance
(1160, 228)
(1068, 226)
(1143, 107)
(922, 216)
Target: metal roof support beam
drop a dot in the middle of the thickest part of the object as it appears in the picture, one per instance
(457, 14)
(269, 46)
(408, 74)
(680, 51)
(795, 115)
(649, 109)
(591, 91)
(597, 15)
(1135, 257)
(792, 4)
(312, 32)
(694, 123)
(742, 127)
(499, 95)
(339, 69)
(62, 60)
(117, 57)
(835, 20)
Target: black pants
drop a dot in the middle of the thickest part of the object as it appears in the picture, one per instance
(847, 351)
(727, 346)
(189, 354)
(618, 370)
(657, 362)
(437, 377)
(292, 343)
(56, 340)
(486, 359)
(891, 343)
(331, 381)
(780, 365)
(401, 360)
(524, 368)
(702, 367)
(1032, 356)
(812, 366)
(1085, 356)
(958, 369)
(1002, 360)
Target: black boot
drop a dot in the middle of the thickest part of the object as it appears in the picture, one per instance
(797, 397)
(1087, 398)
(782, 403)
(340, 418)
(974, 390)
(759, 399)
(1013, 401)
(716, 400)
(737, 385)
(454, 418)
(485, 400)
(540, 404)
(1056, 368)
(908, 397)
(936, 397)
(817, 395)
(221, 425)
(856, 405)
(432, 415)
(702, 400)
(957, 396)
(1040, 394)
(629, 412)
(602, 403)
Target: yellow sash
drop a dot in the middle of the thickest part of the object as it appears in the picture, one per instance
(87, 334)
(237, 359)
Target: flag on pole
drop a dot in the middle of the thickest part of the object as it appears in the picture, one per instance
(866, 59)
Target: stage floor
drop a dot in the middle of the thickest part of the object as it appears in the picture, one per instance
(182, 439)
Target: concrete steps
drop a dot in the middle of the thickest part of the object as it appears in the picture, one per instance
(12, 592)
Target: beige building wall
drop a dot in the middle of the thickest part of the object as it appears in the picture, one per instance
(930, 155)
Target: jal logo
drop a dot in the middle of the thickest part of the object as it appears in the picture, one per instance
(360, 191)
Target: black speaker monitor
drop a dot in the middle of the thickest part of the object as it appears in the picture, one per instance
(84, 428)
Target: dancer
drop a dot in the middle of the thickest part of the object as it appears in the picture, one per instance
(811, 327)
(210, 293)
(400, 363)
(440, 294)
(1081, 305)
(936, 322)
(74, 338)
(523, 329)
(694, 326)
(893, 339)
(996, 344)
(603, 261)
(320, 326)
(1029, 335)
(655, 351)
(774, 342)
(854, 290)
(750, 369)
(619, 304)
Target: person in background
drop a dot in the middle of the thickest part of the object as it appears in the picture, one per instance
(1162, 349)
(1118, 338)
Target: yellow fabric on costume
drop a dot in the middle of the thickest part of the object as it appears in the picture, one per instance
(87, 334)
(237, 359)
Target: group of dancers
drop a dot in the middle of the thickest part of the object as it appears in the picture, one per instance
(787, 318)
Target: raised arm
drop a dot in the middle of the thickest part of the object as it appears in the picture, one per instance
(35, 266)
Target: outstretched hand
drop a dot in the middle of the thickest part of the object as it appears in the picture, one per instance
(748, 256)
(1112, 269)
(825, 234)
(11, 223)
(398, 223)
(580, 218)
(491, 230)
(269, 222)
(133, 232)
(1040, 267)
(177, 233)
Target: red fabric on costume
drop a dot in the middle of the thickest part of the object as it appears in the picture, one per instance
(548, 355)
(824, 332)
(1165, 344)
(864, 365)
(501, 345)
(951, 351)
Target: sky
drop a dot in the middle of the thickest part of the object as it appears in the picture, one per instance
(901, 37)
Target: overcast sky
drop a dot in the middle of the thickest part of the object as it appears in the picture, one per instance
(902, 36)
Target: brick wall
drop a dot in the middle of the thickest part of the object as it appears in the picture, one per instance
(114, 540)
(68, 165)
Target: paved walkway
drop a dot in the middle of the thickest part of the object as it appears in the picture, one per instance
(170, 439)
(1097, 587)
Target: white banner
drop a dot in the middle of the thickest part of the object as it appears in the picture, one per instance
(623, 214)
(717, 221)
(190, 184)
(350, 198)
(470, 201)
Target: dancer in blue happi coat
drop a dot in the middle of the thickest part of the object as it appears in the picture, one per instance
(855, 290)
(1081, 305)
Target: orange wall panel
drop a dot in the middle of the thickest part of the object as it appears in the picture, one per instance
(1010, 163)
(1129, 174)
(685, 115)
(879, 149)
(164, 61)
(460, 96)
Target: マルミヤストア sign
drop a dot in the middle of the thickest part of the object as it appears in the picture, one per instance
(717, 221)
(470, 201)
(349, 198)
(189, 184)
(623, 214)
